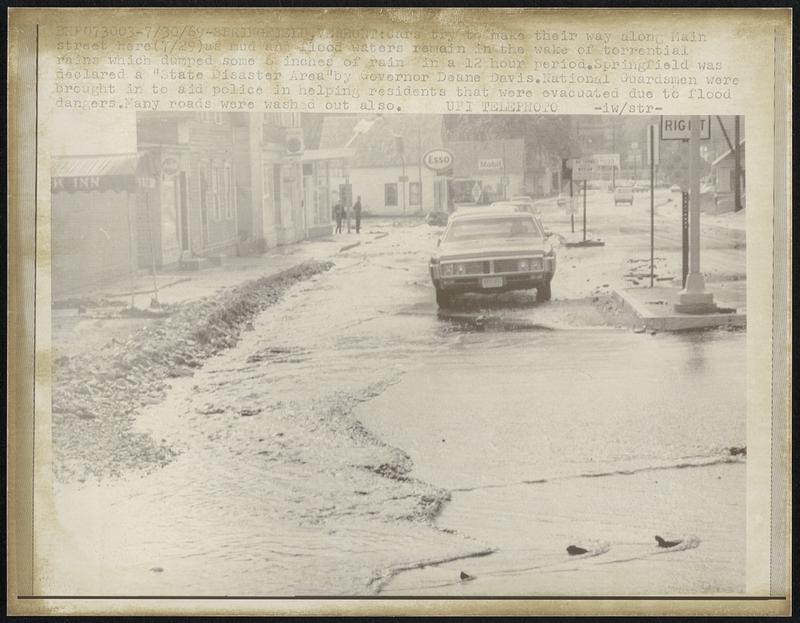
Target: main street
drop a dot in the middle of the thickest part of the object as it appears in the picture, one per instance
(359, 440)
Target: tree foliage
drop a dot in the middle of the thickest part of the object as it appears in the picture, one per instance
(552, 134)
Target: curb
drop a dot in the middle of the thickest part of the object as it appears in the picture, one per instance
(677, 322)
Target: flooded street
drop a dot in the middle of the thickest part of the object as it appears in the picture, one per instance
(358, 440)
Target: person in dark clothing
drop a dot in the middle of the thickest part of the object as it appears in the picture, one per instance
(357, 213)
(338, 215)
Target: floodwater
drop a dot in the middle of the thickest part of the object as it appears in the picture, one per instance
(356, 440)
(596, 439)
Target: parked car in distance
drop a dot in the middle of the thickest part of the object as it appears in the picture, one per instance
(492, 251)
(437, 217)
(623, 194)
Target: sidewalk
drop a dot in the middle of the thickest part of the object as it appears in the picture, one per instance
(96, 315)
(655, 310)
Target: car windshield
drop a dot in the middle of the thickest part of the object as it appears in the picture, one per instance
(477, 229)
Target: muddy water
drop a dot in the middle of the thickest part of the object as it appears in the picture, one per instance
(280, 489)
(557, 438)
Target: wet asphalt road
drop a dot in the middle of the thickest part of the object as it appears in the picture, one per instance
(548, 425)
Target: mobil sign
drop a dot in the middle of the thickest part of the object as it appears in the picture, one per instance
(680, 128)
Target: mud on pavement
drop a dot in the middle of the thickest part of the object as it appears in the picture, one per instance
(96, 396)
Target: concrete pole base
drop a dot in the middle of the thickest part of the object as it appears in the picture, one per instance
(694, 299)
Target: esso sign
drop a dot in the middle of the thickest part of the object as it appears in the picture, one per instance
(438, 159)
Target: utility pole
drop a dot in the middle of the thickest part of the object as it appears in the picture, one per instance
(694, 299)
(737, 167)
(419, 164)
(613, 151)
(403, 181)
(651, 144)
(584, 210)
(400, 146)
(503, 181)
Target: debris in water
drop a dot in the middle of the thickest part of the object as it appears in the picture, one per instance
(157, 569)
(466, 576)
(574, 550)
(249, 412)
(740, 451)
(662, 543)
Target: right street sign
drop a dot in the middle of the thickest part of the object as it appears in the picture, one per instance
(679, 128)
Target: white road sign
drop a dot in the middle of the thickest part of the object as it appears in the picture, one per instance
(583, 169)
(679, 128)
(606, 160)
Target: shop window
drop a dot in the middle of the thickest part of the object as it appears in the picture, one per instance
(214, 192)
(276, 188)
(390, 194)
(414, 193)
(230, 193)
(221, 192)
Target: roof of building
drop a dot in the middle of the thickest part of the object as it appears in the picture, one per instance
(373, 137)
(95, 165)
(326, 154)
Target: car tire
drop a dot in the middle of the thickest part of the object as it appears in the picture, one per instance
(443, 299)
(543, 292)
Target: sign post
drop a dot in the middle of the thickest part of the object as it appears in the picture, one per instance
(584, 210)
(694, 299)
(652, 157)
(684, 237)
(583, 169)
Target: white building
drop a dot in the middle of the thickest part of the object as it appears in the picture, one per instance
(385, 166)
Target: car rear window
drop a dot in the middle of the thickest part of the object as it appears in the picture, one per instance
(477, 229)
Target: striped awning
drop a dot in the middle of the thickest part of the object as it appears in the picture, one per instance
(94, 173)
(92, 166)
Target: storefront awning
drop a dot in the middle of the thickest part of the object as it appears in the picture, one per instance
(81, 166)
(93, 173)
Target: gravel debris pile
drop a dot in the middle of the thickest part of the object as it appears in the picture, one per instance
(96, 396)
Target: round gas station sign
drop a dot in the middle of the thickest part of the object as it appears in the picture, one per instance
(438, 159)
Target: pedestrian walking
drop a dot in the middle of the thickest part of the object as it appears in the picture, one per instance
(357, 213)
(338, 214)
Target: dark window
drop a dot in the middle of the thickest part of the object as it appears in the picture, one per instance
(414, 193)
(390, 194)
(276, 192)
